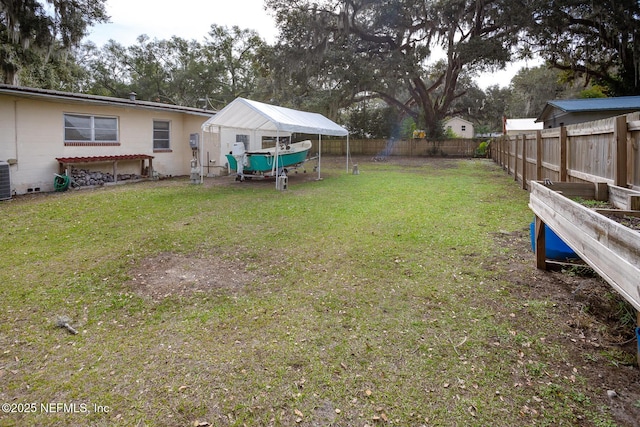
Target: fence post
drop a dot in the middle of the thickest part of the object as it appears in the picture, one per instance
(539, 155)
(620, 165)
(524, 161)
(563, 153)
(515, 161)
(503, 153)
(541, 246)
(508, 156)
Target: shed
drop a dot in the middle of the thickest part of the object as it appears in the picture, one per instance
(248, 121)
(563, 112)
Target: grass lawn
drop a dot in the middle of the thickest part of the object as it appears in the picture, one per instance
(371, 299)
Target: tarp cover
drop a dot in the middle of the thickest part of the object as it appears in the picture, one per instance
(243, 113)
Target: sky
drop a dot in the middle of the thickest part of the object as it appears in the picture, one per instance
(188, 19)
(192, 20)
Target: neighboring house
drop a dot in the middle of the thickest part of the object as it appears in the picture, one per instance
(571, 111)
(38, 126)
(520, 126)
(459, 126)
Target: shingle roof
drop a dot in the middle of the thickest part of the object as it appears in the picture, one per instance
(95, 99)
(597, 104)
(620, 103)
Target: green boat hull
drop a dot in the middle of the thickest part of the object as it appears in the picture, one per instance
(263, 161)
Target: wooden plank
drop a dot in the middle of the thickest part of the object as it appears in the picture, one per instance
(586, 190)
(609, 248)
(551, 166)
(538, 155)
(508, 156)
(563, 153)
(589, 131)
(541, 244)
(621, 197)
(524, 162)
(618, 212)
(551, 133)
(515, 161)
(601, 191)
(587, 177)
(620, 136)
(633, 125)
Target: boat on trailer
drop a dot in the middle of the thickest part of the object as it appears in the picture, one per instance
(267, 162)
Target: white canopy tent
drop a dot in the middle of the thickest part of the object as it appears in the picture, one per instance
(256, 116)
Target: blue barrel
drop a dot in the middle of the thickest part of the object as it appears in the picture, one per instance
(555, 247)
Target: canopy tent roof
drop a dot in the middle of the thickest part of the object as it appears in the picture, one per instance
(243, 113)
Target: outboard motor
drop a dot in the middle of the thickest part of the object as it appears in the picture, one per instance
(239, 154)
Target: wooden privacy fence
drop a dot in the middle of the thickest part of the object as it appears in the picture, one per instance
(599, 160)
(600, 151)
(403, 147)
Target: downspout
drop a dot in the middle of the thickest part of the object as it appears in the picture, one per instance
(15, 131)
(201, 155)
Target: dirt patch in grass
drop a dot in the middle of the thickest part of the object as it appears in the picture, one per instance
(598, 327)
(171, 274)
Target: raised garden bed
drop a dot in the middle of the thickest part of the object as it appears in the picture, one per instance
(600, 236)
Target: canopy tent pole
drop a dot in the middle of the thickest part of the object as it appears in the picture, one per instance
(202, 157)
(275, 163)
(348, 153)
(319, 154)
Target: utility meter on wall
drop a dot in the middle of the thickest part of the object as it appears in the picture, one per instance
(194, 140)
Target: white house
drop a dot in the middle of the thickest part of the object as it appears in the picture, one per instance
(42, 131)
(459, 126)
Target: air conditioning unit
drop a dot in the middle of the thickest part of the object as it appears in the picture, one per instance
(5, 181)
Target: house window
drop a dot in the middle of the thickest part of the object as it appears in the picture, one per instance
(464, 128)
(90, 130)
(161, 135)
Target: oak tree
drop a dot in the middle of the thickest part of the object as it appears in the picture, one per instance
(32, 32)
(356, 49)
